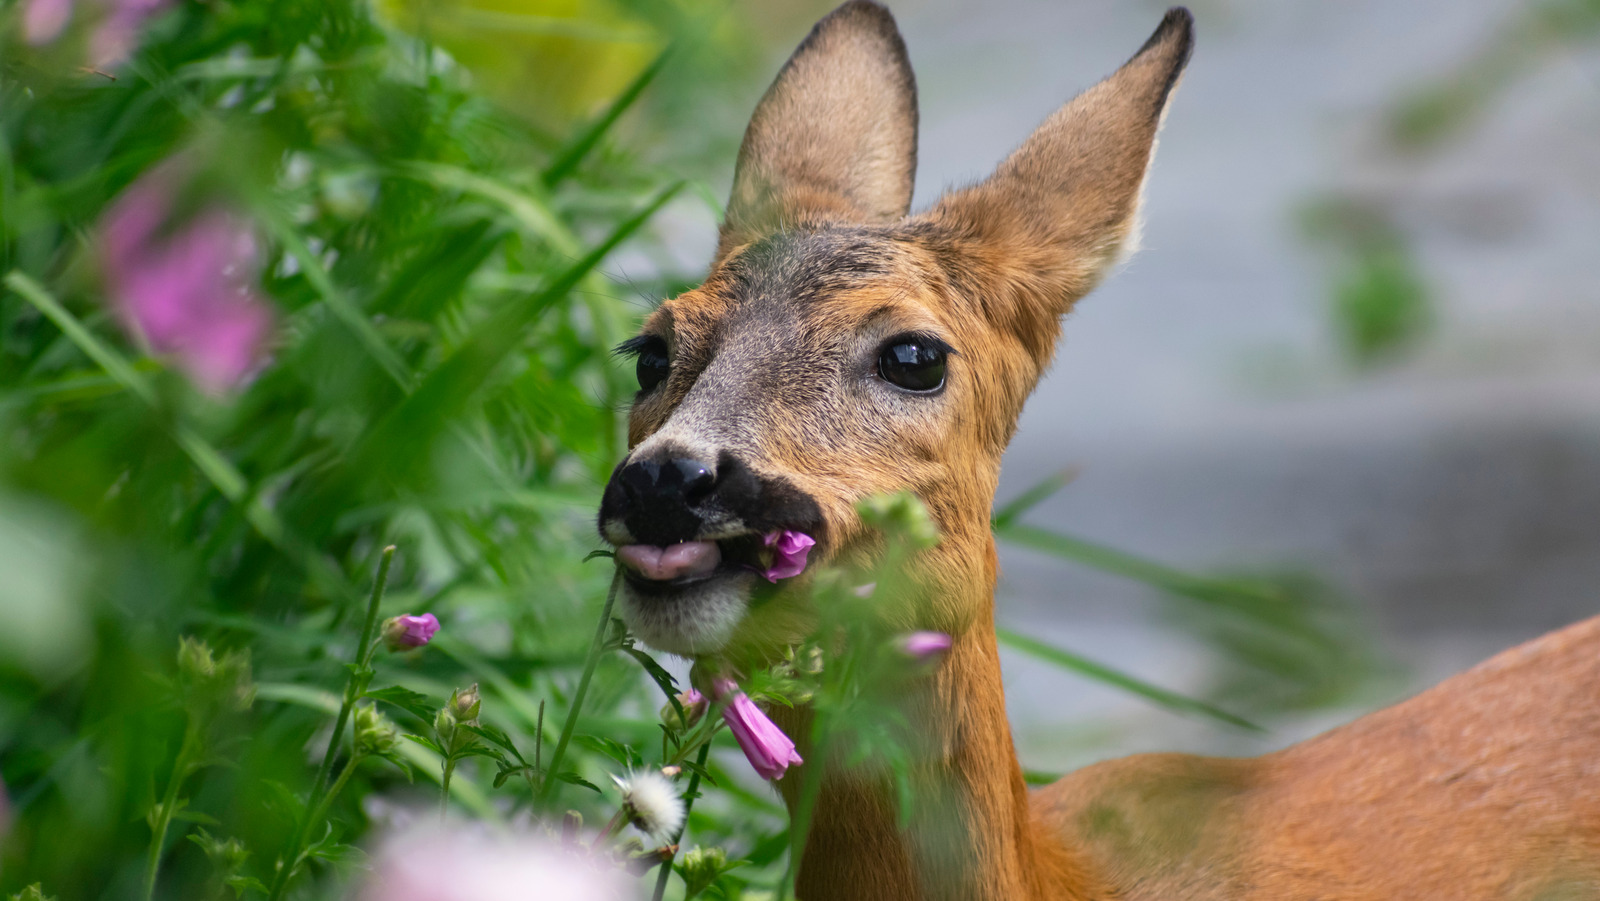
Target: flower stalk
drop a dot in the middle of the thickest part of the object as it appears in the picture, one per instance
(354, 686)
(688, 806)
(596, 647)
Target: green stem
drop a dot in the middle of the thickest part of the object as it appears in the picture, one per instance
(353, 688)
(800, 824)
(321, 812)
(169, 801)
(444, 786)
(595, 648)
(688, 805)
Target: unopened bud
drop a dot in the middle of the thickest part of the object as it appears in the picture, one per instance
(694, 707)
(571, 827)
(195, 662)
(902, 514)
(444, 725)
(373, 733)
(404, 632)
(701, 867)
(464, 704)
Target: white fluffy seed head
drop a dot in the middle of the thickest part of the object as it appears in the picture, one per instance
(653, 804)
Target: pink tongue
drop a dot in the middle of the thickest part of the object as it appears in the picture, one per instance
(661, 564)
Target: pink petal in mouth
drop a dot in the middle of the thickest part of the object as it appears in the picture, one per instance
(679, 561)
(789, 552)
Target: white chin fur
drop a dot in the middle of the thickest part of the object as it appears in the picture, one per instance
(697, 620)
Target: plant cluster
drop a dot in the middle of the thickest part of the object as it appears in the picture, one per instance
(306, 401)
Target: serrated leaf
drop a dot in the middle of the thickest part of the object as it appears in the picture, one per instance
(662, 678)
(497, 737)
(241, 884)
(413, 702)
(425, 742)
(478, 751)
(284, 797)
(611, 748)
(194, 816)
(574, 779)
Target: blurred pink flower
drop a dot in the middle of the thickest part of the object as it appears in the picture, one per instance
(44, 20)
(475, 864)
(764, 744)
(790, 549)
(186, 287)
(924, 645)
(112, 41)
(118, 34)
(406, 631)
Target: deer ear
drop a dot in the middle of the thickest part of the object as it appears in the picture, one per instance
(835, 137)
(1064, 206)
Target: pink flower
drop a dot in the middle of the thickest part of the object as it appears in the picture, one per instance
(404, 632)
(44, 20)
(764, 744)
(789, 553)
(114, 41)
(186, 288)
(924, 645)
(477, 864)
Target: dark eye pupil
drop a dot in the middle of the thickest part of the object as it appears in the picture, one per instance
(653, 367)
(913, 364)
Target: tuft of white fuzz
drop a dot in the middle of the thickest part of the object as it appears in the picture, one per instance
(653, 804)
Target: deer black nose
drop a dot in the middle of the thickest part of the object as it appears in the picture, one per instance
(684, 478)
(660, 498)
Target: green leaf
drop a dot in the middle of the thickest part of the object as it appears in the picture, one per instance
(496, 737)
(659, 675)
(611, 748)
(425, 742)
(412, 702)
(1105, 674)
(572, 778)
(242, 884)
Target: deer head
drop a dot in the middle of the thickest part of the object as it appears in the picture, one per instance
(843, 347)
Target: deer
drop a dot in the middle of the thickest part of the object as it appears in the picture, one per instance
(843, 346)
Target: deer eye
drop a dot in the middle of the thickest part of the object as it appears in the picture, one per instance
(914, 362)
(652, 365)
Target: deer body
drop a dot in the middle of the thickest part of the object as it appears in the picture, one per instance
(842, 347)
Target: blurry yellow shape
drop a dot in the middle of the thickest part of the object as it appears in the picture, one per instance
(554, 61)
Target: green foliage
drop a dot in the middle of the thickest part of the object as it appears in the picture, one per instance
(1380, 306)
(439, 380)
(195, 700)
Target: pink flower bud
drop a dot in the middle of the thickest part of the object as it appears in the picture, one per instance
(769, 751)
(924, 645)
(789, 550)
(406, 631)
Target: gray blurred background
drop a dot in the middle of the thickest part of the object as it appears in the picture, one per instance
(1361, 343)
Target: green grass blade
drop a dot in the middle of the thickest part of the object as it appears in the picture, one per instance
(1117, 679)
(580, 147)
(92, 347)
(1032, 497)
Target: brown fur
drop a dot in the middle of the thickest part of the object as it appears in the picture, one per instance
(1483, 788)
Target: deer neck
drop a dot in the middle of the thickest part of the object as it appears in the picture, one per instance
(968, 835)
